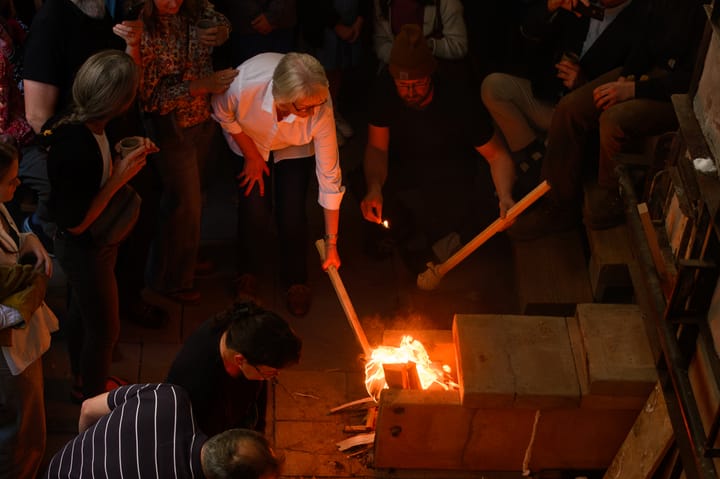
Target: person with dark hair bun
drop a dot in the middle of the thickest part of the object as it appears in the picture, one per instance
(225, 364)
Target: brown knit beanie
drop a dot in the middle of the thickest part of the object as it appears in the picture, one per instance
(410, 57)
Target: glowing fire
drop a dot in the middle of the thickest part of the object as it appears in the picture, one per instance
(410, 350)
(386, 223)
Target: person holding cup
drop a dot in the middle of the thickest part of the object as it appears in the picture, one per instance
(84, 179)
(177, 80)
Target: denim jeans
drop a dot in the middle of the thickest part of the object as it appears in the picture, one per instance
(93, 323)
(22, 421)
(286, 192)
(173, 254)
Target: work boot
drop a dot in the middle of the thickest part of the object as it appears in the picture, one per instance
(604, 208)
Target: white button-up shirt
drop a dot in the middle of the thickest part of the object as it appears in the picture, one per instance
(248, 106)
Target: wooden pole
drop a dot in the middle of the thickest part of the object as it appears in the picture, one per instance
(430, 278)
(345, 302)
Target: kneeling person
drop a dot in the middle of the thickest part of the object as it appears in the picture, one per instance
(224, 366)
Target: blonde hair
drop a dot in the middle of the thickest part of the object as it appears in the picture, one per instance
(105, 84)
(298, 76)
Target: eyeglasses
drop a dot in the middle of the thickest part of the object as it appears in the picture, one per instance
(266, 374)
(308, 108)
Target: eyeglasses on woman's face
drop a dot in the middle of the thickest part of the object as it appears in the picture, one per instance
(307, 108)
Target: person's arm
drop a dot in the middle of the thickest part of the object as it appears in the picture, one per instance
(40, 102)
(332, 221)
(383, 37)
(254, 166)
(502, 170)
(92, 410)
(375, 166)
(30, 244)
(123, 171)
(454, 43)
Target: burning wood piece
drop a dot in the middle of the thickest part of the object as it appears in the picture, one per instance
(345, 302)
(402, 376)
(369, 425)
(408, 366)
(430, 279)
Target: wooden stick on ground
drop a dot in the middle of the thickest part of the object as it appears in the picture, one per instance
(430, 279)
(345, 302)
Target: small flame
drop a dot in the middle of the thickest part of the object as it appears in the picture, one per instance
(410, 350)
(386, 223)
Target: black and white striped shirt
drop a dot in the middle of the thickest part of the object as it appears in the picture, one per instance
(149, 433)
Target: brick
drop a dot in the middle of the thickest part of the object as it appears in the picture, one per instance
(588, 400)
(421, 430)
(515, 361)
(579, 438)
(499, 438)
(618, 357)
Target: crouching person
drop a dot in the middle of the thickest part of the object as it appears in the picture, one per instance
(148, 430)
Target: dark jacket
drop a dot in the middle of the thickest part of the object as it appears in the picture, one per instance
(561, 31)
(670, 44)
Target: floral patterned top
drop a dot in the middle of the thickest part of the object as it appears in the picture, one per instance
(172, 56)
(12, 108)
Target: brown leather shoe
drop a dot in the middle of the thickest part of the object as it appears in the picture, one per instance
(299, 298)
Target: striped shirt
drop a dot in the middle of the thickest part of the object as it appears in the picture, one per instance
(149, 433)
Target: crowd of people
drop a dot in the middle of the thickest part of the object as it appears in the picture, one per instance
(110, 112)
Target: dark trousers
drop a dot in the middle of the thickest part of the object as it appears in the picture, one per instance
(93, 323)
(285, 198)
(576, 118)
(244, 47)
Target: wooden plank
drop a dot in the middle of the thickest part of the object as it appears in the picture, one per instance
(659, 259)
(646, 444)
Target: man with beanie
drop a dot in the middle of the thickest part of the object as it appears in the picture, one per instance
(420, 164)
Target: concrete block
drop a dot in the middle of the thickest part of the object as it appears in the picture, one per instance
(421, 430)
(579, 438)
(618, 356)
(587, 399)
(499, 439)
(515, 361)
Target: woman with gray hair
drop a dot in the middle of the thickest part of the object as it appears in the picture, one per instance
(84, 178)
(279, 108)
